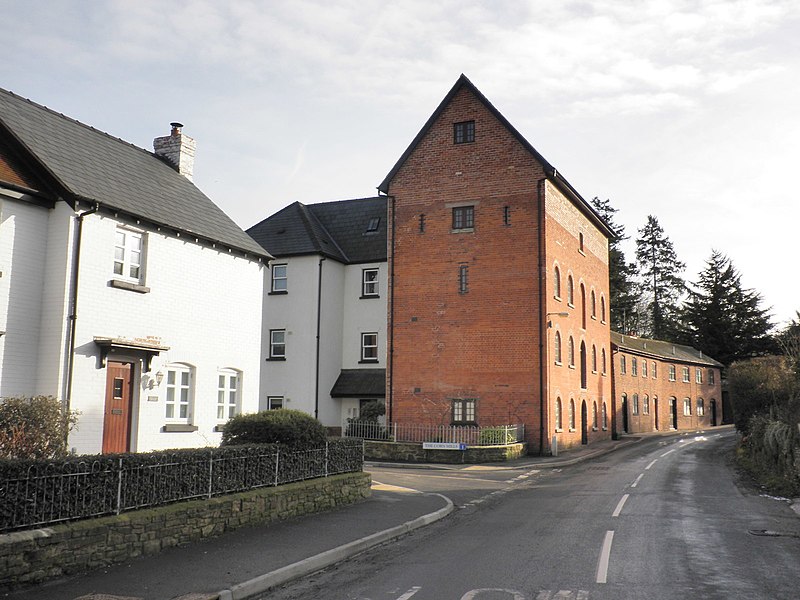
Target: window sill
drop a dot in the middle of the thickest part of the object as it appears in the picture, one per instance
(179, 428)
(276, 358)
(581, 252)
(278, 293)
(570, 304)
(594, 428)
(572, 366)
(369, 297)
(127, 285)
(558, 362)
(594, 318)
(370, 361)
(572, 430)
(464, 230)
(219, 428)
(557, 298)
(559, 430)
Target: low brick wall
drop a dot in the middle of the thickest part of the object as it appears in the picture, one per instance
(28, 557)
(414, 453)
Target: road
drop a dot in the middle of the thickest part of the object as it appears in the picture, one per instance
(662, 519)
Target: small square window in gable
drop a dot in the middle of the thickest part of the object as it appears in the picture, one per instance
(464, 132)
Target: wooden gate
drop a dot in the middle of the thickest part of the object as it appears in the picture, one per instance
(117, 414)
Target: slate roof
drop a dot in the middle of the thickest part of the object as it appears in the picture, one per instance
(662, 350)
(360, 383)
(337, 230)
(550, 171)
(93, 166)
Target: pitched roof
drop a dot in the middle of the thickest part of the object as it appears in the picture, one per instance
(662, 350)
(550, 171)
(93, 166)
(338, 230)
(354, 383)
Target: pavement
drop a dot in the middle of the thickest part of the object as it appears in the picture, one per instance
(250, 561)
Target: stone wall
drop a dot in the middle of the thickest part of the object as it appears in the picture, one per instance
(414, 453)
(28, 557)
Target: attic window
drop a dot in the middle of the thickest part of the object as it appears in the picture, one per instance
(372, 226)
(464, 132)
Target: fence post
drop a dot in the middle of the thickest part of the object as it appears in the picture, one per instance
(394, 434)
(210, 472)
(119, 488)
(277, 463)
(326, 458)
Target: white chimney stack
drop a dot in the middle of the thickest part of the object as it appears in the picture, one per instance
(178, 149)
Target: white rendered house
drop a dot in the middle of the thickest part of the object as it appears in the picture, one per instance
(122, 286)
(324, 315)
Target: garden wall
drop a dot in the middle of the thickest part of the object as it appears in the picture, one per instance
(414, 453)
(28, 557)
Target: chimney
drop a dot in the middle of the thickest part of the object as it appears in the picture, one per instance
(178, 149)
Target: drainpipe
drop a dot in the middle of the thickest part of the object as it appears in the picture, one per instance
(390, 378)
(544, 392)
(319, 321)
(73, 314)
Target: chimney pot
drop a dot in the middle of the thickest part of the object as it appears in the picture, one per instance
(176, 128)
(178, 149)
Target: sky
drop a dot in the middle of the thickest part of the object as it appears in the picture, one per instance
(688, 110)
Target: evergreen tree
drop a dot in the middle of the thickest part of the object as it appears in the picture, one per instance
(723, 319)
(622, 299)
(659, 269)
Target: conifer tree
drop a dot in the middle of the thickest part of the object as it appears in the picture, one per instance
(723, 319)
(622, 299)
(660, 281)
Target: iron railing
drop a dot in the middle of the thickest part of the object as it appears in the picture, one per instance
(50, 492)
(496, 435)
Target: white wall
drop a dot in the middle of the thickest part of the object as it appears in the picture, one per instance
(203, 304)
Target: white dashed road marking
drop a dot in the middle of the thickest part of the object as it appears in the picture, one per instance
(620, 505)
(605, 555)
(638, 479)
(647, 468)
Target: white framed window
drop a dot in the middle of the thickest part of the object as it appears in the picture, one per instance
(623, 368)
(672, 372)
(280, 279)
(369, 347)
(464, 411)
(635, 404)
(701, 407)
(634, 367)
(571, 414)
(557, 347)
(557, 283)
(274, 402)
(594, 359)
(277, 344)
(559, 415)
(129, 254)
(655, 370)
(570, 291)
(571, 352)
(228, 391)
(603, 360)
(605, 417)
(687, 407)
(594, 416)
(644, 368)
(179, 393)
(369, 283)
(711, 377)
(698, 375)
(685, 374)
(645, 404)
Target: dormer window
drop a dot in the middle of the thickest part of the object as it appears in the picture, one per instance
(372, 226)
(464, 132)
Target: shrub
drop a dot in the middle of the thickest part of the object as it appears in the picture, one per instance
(759, 385)
(284, 426)
(34, 428)
(496, 436)
(367, 424)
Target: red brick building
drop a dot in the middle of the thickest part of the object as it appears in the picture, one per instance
(498, 284)
(661, 386)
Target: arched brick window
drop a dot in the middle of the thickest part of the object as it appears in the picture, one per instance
(571, 414)
(557, 283)
(557, 347)
(570, 291)
(559, 422)
(571, 352)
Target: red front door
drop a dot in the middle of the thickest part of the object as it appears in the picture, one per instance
(117, 414)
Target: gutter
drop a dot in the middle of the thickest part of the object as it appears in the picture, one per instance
(319, 321)
(73, 316)
(544, 391)
(390, 371)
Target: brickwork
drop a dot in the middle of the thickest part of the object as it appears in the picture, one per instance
(659, 403)
(30, 557)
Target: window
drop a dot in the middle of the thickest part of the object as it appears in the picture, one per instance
(277, 344)
(644, 368)
(279, 279)
(635, 404)
(583, 306)
(594, 416)
(557, 283)
(594, 359)
(701, 409)
(580, 243)
(571, 352)
(463, 217)
(593, 305)
(711, 377)
(685, 374)
(506, 215)
(623, 368)
(583, 366)
(179, 393)
(605, 417)
(655, 370)
(687, 407)
(557, 348)
(570, 291)
(369, 283)
(571, 414)
(698, 375)
(422, 223)
(372, 226)
(559, 416)
(227, 394)
(602, 309)
(463, 279)
(603, 360)
(464, 411)
(464, 132)
(634, 369)
(646, 405)
(271, 403)
(128, 254)
(369, 347)
(672, 372)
